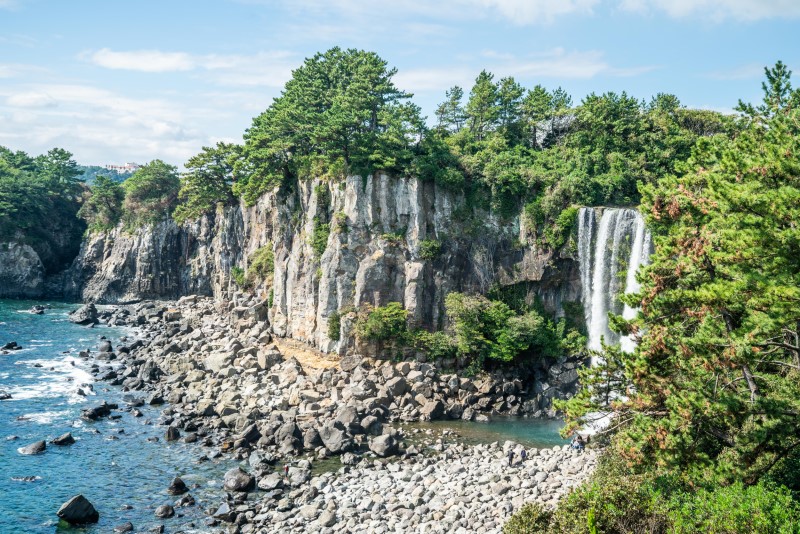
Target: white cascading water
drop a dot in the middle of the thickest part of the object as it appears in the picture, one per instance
(610, 252)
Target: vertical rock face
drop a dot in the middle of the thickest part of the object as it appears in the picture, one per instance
(21, 272)
(337, 246)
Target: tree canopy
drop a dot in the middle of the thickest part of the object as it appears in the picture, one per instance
(713, 388)
(150, 193)
(340, 113)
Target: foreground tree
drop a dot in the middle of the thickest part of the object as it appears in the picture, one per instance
(713, 388)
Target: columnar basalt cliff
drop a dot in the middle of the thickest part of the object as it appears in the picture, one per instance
(374, 230)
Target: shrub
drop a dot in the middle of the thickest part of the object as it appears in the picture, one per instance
(531, 519)
(436, 345)
(383, 323)
(319, 239)
(734, 509)
(237, 273)
(429, 249)
(262, 264)
(334, 326)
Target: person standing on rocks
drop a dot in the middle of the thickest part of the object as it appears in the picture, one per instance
(523, 455)
(510, 457)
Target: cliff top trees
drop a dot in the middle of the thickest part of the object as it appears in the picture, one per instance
(151, 193)
(207, 181)
(713, 389)
(38, 202)
(340, 113)
(102, 209)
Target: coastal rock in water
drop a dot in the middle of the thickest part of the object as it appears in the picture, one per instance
(64, 439)
(178, 487)
(78, 511)
(11, 345)
(165, 511)
(4, 395)
(172, 434)
(105, 346)
(86, 314)
(239, 480)
(125, 527)
(34, 448)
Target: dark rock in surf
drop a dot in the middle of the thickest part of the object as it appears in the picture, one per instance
(78, 511)
(34, 448)
(64, 439)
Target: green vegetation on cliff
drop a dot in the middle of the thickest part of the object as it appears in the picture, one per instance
(39, 199)
(511, 149)
(706, 410)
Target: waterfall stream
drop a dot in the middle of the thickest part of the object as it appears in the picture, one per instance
(610, 252)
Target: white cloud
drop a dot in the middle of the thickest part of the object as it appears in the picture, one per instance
(269, 69)
(718, 10)
(101, 126)
(31, 100)
(143, 60)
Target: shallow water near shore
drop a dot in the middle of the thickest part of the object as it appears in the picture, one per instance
(111, 473)
(536, 433)
(112, 463)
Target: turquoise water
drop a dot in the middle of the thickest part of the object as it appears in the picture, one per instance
(128, 472)
(112, 474)
(529, 432)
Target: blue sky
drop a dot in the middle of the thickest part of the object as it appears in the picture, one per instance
(133, 81)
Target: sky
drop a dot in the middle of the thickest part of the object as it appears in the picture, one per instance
(116, 82)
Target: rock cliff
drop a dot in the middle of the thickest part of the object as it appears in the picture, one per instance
(336, 246)
(21, 271)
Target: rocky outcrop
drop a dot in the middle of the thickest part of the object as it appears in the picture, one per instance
(385, 239)
(22, 273)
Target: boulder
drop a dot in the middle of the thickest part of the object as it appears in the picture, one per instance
(64, 439)
(349, 362)
(11, 345)
(4, 395)
(334, 437)
(432, 410)
(105, 346)
(239, 480)
(172, 434)
(86, 314)
(178, 487)
(250, 434)
(372, 425)
(165, 511)
(34, 448)
(125, 527)
(78, 511)
(397, 386)
(385, 445)
(271, 482)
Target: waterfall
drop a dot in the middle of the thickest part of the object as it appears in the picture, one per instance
(610, 252)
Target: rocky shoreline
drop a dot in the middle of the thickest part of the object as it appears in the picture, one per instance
(280, 410)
